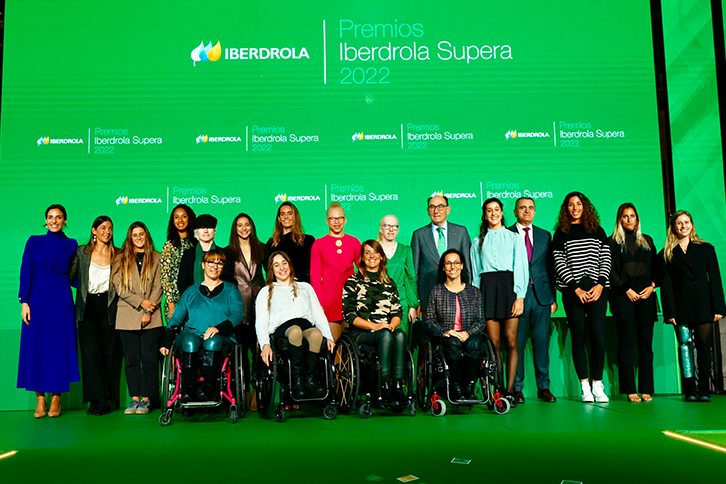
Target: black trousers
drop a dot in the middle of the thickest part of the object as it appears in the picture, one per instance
(247, 337)
(634, 317)
(97, 339)
(583, 319)
(454, 349)
(141, 352)
(391, 350)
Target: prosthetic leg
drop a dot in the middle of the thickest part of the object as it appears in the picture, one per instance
(688, 381)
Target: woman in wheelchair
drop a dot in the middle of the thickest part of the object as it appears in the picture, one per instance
(289, 309)
(455, 322)
(372, 309)
(207, 313)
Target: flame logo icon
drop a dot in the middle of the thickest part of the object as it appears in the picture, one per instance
(121, 200)
(281, 197)
(358, 136)
(512, 133)
(206, 53)
(43, 140)
(202, 138)
(438, 194)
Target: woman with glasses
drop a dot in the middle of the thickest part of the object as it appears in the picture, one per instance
(332, 262)
(501, 271)
(400, 269)
(454, 320)
(137, 279)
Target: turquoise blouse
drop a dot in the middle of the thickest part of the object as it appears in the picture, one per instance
(502, 250)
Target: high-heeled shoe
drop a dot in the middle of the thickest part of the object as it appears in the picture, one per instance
(40, 408)
(55, 406)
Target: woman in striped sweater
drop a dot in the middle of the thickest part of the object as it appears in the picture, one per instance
(582, 268)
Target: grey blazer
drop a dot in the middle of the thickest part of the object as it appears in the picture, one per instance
(541, 267)
(79, 278)
(426, 256)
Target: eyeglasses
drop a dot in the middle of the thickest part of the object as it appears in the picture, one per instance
(218, 263)
(336, 219)
(389, 227)
(440, 208)
(453, 264)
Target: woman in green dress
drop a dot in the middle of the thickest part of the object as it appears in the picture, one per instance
(400, 269)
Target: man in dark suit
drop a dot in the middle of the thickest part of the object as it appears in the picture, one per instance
(432, 240)
(539, 303)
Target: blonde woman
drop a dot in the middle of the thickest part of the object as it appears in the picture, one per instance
(692, 295)
(137, 279)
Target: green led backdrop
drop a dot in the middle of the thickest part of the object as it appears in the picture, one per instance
(127, 107)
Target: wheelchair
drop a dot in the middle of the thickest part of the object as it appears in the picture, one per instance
(433, 381)
(353, 361)
(231, 386)
(273, 383)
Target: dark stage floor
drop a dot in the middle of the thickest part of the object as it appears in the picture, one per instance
(619, 442)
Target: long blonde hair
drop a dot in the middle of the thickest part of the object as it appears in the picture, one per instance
(672, 239)
(619, 232)
(271, 276)
(125, 260)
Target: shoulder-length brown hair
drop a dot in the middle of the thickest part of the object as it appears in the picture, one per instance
(382, 272)
(590, 219)
(672, 238)
(298, 232)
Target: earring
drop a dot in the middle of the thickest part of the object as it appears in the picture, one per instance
(94, 238)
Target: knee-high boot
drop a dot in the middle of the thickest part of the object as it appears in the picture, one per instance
(313, 387)
(296, 361)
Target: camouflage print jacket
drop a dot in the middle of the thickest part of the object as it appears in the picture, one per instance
(370, 299)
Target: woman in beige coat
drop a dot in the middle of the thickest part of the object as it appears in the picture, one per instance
(137, 280)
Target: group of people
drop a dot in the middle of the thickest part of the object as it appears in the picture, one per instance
(308, 291)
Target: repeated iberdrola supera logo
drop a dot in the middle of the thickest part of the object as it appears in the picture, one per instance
(441, 193)
(125, 200)
(512, 133)
(202, 138)
(357, 137)
(205, 138)
(283, 197)
(207, 53)
(360, 137)
(47, 140)
(121, 200)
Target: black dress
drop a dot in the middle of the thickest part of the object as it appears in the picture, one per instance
(299, 254)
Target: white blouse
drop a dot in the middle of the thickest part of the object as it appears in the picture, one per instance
(99, 278)
(284, 307)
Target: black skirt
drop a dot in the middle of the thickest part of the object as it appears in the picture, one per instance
(497, 294)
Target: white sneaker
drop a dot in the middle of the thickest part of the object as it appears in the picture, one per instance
(586, 393)
(599, 392)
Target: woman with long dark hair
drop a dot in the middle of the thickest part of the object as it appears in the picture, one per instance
(137, 279)
(693, 298)
(372, 309)
(245, 260)
(582, 270)
(48, 360)
(289, 237)
(632, 301)
(179, 237)
(500, 270)
(96, 315)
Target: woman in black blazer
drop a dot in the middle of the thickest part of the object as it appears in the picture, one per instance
(95, 311)
(692, 295)
(632, 301)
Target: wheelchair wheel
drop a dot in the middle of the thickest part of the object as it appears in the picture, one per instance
(168, 385)
(330, 411)
(501, 405)
(438, 407)
(365, 411)
(239, 384)
(493, 366)
(165, 417)
(347, 374)
(265, 385)
(423, 375)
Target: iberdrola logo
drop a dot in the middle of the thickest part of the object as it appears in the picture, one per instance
(437, 194)
(511, 134)
(202, 138)
(43, 140)
(122, 199)
(358, 137)
(281, 197)
(206, 53)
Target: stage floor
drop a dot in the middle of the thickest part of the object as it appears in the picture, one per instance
(537, 442)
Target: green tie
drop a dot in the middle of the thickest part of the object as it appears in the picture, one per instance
(441, 244)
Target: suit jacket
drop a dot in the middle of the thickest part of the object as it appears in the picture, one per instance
(691, 290)
(426, 256)
(541, 267)
(79, 278)
(128, 316)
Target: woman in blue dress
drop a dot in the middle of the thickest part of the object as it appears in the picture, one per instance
(48, 360)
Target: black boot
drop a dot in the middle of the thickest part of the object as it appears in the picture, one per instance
(206, 390)
(103, 407)
(455, 390)
(296, 361)
(188, 377)
(313, 387)
(386, 394)
(689, 388)
(474, 368)
(398, 392)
